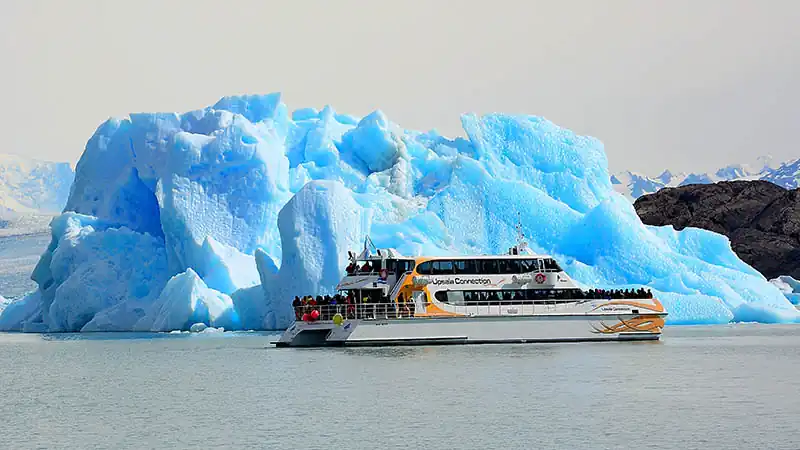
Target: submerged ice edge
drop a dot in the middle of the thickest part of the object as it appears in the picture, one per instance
(222, 215)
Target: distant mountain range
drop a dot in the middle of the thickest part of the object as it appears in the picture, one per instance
(633, 185)
(29, 186)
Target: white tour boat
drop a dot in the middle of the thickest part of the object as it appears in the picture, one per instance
(388, 299)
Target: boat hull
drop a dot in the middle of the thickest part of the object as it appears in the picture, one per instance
(475, 330)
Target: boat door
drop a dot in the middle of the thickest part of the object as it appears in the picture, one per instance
(420, 302)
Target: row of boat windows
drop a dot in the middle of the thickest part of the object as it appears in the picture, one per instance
(522, 296)
(487, 266)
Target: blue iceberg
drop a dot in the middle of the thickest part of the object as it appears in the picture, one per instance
(221, 215)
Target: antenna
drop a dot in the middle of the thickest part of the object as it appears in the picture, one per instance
(368, 244)
(521, 244)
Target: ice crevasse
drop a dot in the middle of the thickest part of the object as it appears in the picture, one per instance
(221, 215)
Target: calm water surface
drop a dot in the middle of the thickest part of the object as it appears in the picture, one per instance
(18, 257)
(701, 387)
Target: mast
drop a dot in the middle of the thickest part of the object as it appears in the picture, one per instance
(521, 244)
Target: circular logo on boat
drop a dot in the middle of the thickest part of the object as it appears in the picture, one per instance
(540, 278)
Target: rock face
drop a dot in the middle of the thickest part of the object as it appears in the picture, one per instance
(761, 219)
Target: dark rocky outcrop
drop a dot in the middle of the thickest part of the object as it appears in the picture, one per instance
(761, 219)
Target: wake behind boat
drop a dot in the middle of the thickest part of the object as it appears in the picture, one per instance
(388, 299)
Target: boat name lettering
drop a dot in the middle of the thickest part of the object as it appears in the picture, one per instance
(458, 280)
(615, 308)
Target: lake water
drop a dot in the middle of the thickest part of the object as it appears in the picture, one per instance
(18, 257)
(720, 387)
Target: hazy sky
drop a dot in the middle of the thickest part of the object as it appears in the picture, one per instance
(688, 85)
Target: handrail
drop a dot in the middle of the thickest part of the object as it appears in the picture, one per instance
(399, 283)
(388, 310)
(410, 309)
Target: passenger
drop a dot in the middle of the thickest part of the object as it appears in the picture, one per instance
(297, 305)
(351, 268)
(405, 307)
(364, 302)
(351, 306)
(411, 307)
(383, 307)
(401, 300)
(367, 267)
(334, 305)
(324, 307)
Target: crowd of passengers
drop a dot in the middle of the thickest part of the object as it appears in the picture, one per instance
(353, 268)
(325, 307)
(548, 294)
(593, 294)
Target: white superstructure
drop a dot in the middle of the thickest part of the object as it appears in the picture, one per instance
(388, 299)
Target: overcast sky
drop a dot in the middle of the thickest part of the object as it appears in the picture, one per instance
(686, 85)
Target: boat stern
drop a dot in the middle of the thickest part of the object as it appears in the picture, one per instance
(315, 334)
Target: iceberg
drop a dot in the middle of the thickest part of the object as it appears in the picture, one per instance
(789, 286)
(221, 216)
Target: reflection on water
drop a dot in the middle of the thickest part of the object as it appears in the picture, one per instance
(701, 387)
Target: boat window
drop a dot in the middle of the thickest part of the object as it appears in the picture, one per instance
(425, 268)
(512, 266)
(443, 267)
(551, 265)
(441, 296)
(455, 297)
(389, 265)
(506, 297)
(405, 265)
(466, 267)
(524, 265)
(502, 265)
(470, 267)
(488, 266)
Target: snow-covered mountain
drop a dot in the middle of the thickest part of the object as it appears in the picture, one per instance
(633, 185)
(30, 186)
(787, 175)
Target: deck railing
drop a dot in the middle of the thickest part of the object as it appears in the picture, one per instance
(361, 310)
(411, 309)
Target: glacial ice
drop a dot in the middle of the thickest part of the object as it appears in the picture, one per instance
(789, 286)
(185, 301)
(221, 215)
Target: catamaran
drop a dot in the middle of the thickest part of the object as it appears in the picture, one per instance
(386, 298)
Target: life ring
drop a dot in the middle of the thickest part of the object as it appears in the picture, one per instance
(540, 278)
